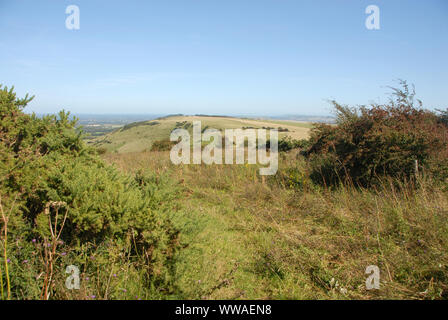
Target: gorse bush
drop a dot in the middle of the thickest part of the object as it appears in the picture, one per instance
(45, 161)
(381, 140)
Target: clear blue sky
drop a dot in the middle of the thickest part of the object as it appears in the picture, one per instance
(260, 57)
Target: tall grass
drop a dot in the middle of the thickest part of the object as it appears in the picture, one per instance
(244, 237)
(288, 238)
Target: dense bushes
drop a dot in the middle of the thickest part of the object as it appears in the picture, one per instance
(43, 161)
(162, 145)
(139, 124)
(286, 144)
(380, 140)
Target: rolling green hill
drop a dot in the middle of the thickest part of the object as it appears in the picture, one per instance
(140, 136)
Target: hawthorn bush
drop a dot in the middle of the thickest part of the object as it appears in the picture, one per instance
(368, 143)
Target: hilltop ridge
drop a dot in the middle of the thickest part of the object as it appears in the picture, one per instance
(139, 136)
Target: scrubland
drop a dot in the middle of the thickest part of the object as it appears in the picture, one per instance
(371, 189)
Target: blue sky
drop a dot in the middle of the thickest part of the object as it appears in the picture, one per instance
(251, 57)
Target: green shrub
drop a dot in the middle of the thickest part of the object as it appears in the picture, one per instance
(101, 151)
(380, 140)
(162, 145)
(287, 144)
(139, 124)
(45, 161)
(294, 178)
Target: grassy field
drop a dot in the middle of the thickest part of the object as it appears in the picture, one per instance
(283, 238)
(140, 136)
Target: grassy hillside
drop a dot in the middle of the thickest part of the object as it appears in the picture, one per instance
(140, 136)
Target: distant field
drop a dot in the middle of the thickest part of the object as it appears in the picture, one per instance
(140, 136)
